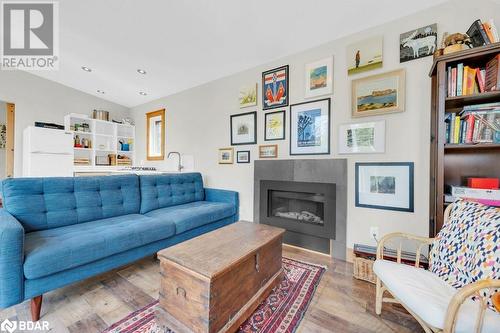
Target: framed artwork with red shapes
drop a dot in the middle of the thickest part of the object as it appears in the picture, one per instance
(275, 88)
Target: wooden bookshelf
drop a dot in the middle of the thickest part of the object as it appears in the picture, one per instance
(452, 164)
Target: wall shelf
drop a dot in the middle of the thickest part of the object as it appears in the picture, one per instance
(102, 133)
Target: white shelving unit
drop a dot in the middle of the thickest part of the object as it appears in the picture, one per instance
(104, 137)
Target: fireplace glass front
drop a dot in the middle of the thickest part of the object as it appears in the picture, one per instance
(298, 206)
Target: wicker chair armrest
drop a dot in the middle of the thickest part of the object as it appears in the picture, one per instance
(402, 235)
(460, 297)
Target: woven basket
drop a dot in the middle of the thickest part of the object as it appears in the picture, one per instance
(363, 269)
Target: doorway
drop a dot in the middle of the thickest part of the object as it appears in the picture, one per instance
(7, 118)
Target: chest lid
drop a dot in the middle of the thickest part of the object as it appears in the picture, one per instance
(216, 252)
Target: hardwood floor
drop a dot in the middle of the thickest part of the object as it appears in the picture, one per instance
(341, 303)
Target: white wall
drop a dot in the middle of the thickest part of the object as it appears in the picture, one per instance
(38, 99)
(197, 120)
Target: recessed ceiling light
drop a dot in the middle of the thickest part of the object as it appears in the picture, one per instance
(100, 91)
(142, 93)
(141, 71)
(85, 68)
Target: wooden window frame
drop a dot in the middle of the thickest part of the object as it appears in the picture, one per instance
(150, 115)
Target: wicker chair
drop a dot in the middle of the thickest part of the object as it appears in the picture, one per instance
(434, 303)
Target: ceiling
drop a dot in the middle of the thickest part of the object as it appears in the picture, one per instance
(185, 43)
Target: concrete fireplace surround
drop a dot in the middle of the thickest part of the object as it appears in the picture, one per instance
(308, 170)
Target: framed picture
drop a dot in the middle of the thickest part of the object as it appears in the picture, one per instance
(274, 126)
(268, 151)
(310, 128)
(386, 186)
(319, 78)
(248, 96)
(362, 138)
(379, 94)
(365, 55)
(418, 43)
(226, 155)
(275, 88)
(243, 156)
(244, 128)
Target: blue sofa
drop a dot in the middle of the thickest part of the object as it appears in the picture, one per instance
(56, 231)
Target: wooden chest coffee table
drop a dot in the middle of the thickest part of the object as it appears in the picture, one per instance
(214, 282)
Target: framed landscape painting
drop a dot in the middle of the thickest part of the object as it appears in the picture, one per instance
(248, 96)
(243, 156)
(387, 186)
(379, 94)
(319, 78)
(310, 128)
(275, 88)
(418, 43)
(365, 55)
(226, 155)
(268, 151)
(244, 128)
(274, 126)
(362, 138)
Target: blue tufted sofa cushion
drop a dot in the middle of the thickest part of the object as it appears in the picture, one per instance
(160, 191)
(47, 203)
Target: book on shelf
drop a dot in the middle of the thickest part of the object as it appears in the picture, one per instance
(466, 80)
(489, 197)
(479, 123)
(483, 33)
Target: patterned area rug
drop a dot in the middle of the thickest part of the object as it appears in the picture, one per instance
(281, 312)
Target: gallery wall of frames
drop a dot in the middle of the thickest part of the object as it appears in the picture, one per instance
(307, 124)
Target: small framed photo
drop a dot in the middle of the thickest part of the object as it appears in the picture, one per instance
(244, 128)
(268, 151)
(274, 126)
(387, 186)
(379, 94)
(319, 78)
(275, 88)
(226, 155)
(310, 128)
(243, 156)
(248, 96)
(362, 138)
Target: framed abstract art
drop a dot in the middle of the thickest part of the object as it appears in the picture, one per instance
(244, 128)
(274, 126)
(310, 128)
(275, 88)
(368, 137)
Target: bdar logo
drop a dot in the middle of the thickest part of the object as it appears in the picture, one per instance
(8, 326)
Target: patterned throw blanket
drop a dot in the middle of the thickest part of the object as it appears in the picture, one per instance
(467, 248)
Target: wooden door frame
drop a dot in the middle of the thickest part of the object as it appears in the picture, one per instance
(10, 138)
(149, 115)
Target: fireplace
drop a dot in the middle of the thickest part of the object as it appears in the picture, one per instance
(308, 198)
(305, 209)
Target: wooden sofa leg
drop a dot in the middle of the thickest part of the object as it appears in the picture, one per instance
(378, 297)
(36, 307)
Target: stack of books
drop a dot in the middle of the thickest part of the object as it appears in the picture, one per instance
(483, 190)
(483, 33)
(478, 123)
(466, 80)
(81, 161)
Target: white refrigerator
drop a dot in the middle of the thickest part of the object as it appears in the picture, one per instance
(47, 152)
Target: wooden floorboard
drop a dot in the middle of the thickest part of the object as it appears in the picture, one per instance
(341, 303)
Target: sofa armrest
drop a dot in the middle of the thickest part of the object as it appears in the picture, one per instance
(216, 195)
(422, 240)
(463, 294)
(11, 260)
